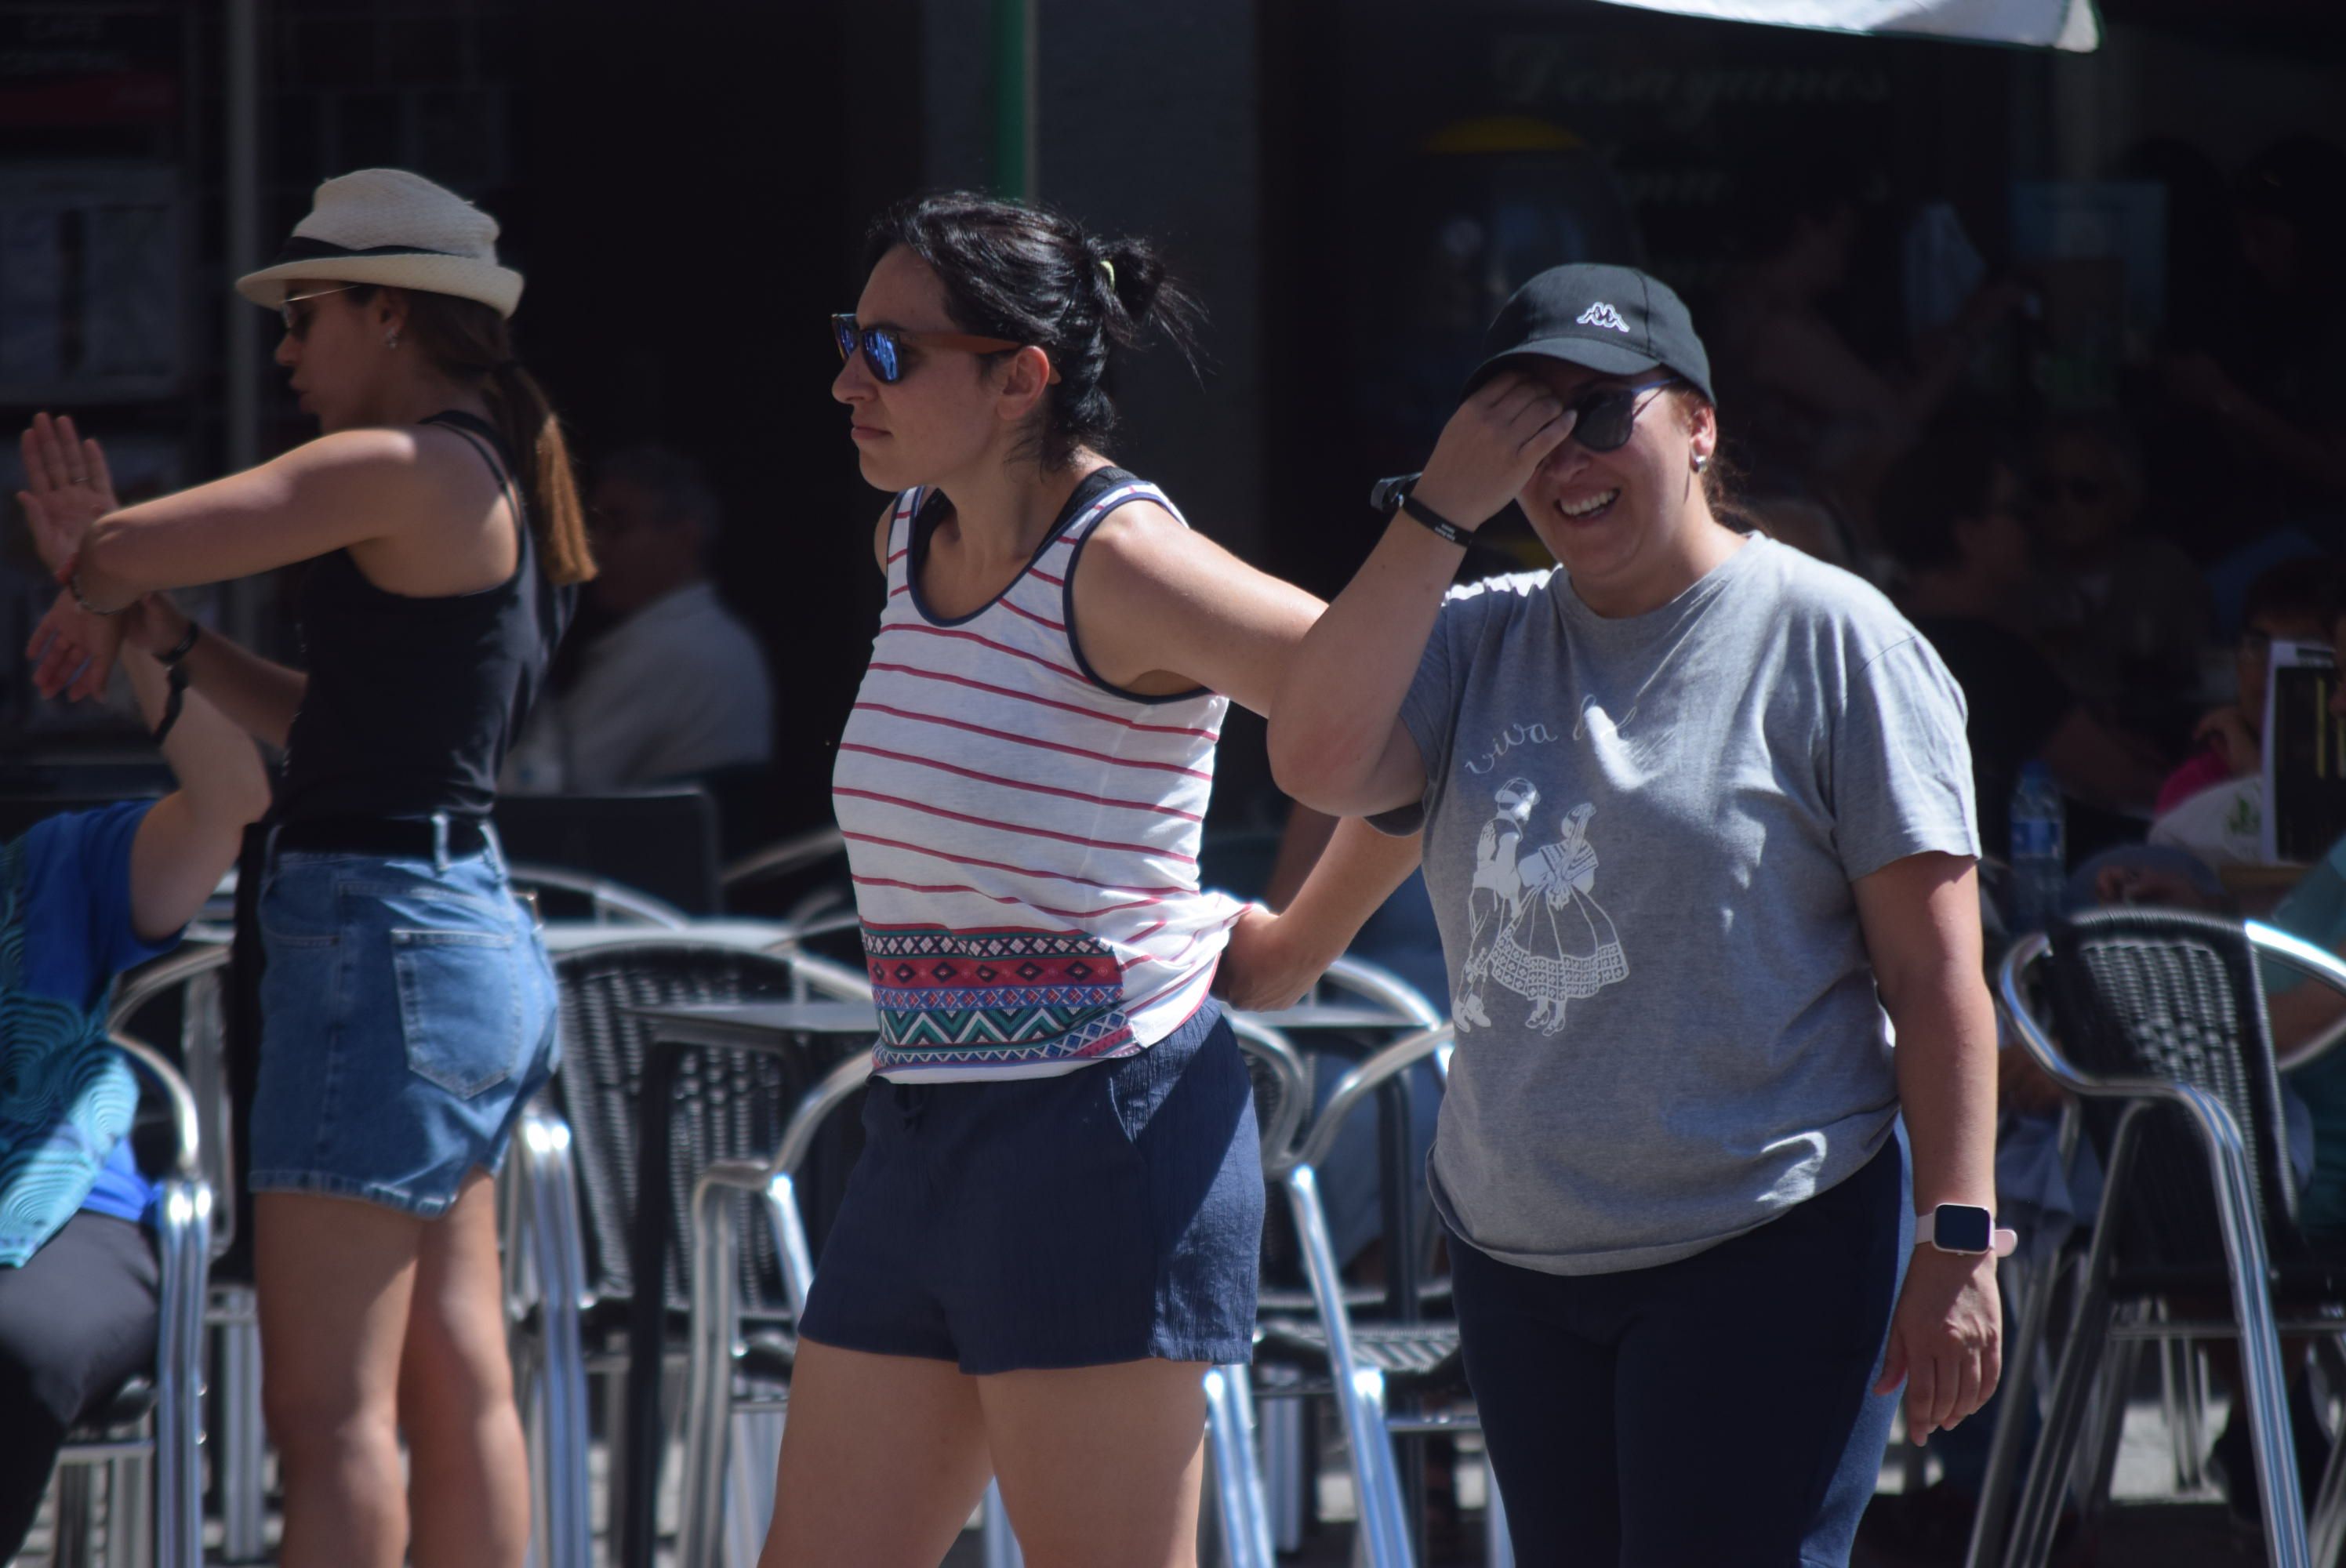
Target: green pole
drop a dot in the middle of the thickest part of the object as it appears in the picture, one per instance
(1014, 173)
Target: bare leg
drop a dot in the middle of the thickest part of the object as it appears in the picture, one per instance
(1100, 1465)
(335, 1277)
(883, 1459)
(468, 1471)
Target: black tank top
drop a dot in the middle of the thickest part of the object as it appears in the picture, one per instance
(413, 703)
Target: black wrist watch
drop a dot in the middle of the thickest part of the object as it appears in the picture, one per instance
(181, 649)
(1387, 496)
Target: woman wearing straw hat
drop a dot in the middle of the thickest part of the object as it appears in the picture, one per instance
(407, 1005)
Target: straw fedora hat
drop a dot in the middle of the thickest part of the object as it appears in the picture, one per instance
(389, 227)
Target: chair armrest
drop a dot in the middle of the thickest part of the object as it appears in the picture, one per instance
(806, 1117)
(822, 974)
(603, 895)
(2272, 941)
(1377, 983)
(164, 976)
(1360, 1082)
(187, 1127)
(783, 857)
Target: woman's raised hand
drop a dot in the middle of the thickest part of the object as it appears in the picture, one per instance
(73, 650)
(67, 488)
(1491, 446)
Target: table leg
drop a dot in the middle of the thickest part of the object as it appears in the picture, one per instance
(647, 1260)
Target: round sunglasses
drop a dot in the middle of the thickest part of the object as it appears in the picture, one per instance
(884, 347)
(1604, 417)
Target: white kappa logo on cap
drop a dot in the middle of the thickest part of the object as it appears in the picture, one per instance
(1601, 314)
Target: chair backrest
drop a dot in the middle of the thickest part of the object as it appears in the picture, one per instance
(2174, 996)
(659, 841)
(728, 1104)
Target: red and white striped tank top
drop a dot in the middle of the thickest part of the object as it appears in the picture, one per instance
(1023, 837)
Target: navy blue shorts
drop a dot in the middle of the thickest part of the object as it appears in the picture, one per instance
(1111, 1214)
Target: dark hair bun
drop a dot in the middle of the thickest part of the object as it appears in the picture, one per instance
(1031, 275)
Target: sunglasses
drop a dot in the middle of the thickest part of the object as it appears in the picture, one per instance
(884, 347)
(1604, 418)
(297, 323)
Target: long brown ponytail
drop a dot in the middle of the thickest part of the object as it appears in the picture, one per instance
(469, 340)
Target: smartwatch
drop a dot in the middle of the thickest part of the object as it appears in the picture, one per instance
(1962, 1228)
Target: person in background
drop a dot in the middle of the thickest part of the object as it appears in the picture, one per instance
(2124, 614)
(1954, 518)
(2213, 804)
(1808, 400)
(2261, 401)
(83, 897)
(676, 686)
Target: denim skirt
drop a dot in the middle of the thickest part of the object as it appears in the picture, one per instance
(407, 1014)
(1110, 1214)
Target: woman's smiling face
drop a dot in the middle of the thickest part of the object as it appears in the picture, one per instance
(1615, 519)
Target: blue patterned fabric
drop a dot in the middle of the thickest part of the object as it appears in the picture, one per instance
(66, 1101)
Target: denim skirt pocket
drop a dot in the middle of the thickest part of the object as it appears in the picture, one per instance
(460, 1005)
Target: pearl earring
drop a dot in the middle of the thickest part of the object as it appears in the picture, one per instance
(391, 340)
(1701, 461)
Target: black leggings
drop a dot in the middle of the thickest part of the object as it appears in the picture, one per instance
(75, 1321)
(1706, 1413)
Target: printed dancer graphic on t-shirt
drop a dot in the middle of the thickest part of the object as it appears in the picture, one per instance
(1491, 900)
(1541, 934)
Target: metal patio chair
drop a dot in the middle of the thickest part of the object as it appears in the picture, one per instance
(2159, 1024)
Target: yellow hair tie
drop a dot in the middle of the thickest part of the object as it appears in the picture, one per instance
(1108, 266)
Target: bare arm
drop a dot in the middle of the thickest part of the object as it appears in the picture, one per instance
(1273, 960)
(1161, 606)
(190, 837)
(346, 489)
(1920, 919)
(1337, 741)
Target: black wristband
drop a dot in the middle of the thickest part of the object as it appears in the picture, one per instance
(1434, 520)
(185, 646)
(176, 694)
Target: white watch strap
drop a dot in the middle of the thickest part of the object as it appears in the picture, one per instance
(2003, 1243)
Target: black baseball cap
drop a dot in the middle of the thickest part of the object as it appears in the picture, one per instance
(1614, 320)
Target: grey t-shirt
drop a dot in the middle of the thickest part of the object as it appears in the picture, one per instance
(1640, 838)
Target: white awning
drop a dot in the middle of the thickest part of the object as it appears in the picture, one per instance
(2042, 24)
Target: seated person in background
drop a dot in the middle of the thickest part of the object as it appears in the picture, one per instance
(677, 687)
(83, 897)
(2124, 614)
(1952, 516)
(2213, 805)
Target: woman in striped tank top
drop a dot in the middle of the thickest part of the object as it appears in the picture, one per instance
(1054, 1224)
